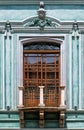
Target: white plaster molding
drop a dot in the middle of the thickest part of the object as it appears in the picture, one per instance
(80, 74)
(63, 63)
(19, 63)
(29, 38)
(12, 71)
(3, 71)
(70, 70)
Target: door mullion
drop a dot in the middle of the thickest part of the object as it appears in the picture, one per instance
(41, 71)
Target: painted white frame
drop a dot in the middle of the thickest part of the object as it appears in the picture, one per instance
(32, 37)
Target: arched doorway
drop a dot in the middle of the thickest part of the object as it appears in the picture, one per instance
(41, 68)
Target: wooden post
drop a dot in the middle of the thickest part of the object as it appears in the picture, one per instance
(61, 122)
(41, 121)
(21, 118)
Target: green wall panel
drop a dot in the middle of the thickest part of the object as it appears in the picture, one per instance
(82, 55)
(74, 119)
(51, 124)
(31, 124)
(8, 71)
(75, 71)
(68, 71)
(9, 119)
(15, 70)
(1, 41)
(62, 12)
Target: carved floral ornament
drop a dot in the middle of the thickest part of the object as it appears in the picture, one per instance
(41, 20)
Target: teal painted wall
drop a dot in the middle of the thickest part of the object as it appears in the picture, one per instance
(74, 119)
(9, 120)
(68, 68)
(1, 71)
(66, 12)
(75, 71)
(62, 13)
(82, 55)
(15, 70)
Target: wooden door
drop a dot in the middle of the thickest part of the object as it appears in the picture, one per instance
(41, 67)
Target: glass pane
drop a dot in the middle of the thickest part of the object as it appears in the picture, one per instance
(50, 60)
(32, 60)
(50, 75)
(32, 75)
(43, 59)
(50, 55)
(32, 54)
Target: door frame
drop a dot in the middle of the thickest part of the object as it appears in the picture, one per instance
(57, 39)
(56, 102)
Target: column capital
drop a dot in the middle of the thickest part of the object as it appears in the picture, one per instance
(41, 87)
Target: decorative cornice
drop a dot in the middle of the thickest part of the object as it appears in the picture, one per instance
(24, 2)
(59, 26)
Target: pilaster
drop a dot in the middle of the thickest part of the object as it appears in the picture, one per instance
(8, 68)
(75, 70)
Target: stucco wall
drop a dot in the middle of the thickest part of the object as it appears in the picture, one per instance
(74, 50)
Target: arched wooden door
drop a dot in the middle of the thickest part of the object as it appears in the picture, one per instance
(41, 67)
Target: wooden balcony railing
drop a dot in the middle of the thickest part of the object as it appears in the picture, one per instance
(51, 97)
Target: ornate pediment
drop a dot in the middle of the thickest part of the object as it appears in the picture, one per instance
(37, 22)
(41, 20)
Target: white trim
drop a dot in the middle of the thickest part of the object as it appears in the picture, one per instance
(18, 62)
(3, 71)
(21, 61)
(37, 34)
(20, 55)
(80, 74)
(18, 68)
(12, 69)
(70, 70)
(63, 64)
